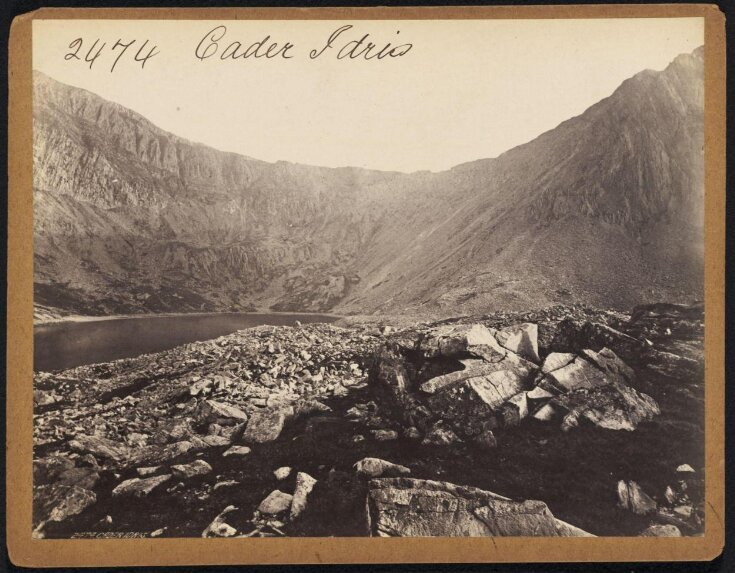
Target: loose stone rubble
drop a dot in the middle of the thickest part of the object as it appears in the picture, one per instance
(288, 430)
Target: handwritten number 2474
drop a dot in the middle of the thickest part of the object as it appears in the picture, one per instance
(118, 50)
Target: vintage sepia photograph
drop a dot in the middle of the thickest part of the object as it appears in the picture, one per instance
(368, 278)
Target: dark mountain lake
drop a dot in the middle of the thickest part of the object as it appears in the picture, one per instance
(64, 345)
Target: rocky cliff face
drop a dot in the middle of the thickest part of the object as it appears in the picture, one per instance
(604, 209)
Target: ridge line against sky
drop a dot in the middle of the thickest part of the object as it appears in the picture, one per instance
(504, 83)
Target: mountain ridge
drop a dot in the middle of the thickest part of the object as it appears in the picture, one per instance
(130, 218)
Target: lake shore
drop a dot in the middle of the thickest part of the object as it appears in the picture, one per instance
(77, 318)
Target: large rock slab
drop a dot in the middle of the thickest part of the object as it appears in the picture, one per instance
(211, 411)
(138, 487)
(264, 426)
(556, 360)
(405, 507)
(193, 469)
(57, 503)
(121, 455)
(477, 369)
(522, 339)
(156, 455)
(575, 336)
(613, 407)
(451, 341)
(472, 402)
(578, 374)
(101, 447)
(610, 363)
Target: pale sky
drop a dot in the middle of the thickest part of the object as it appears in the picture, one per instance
(466, 89)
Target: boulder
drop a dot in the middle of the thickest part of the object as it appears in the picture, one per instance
(188, 471)
(264, 426)
(310, 407)
(685, 469)
(85, 478)
(412, 433)
(58, 502)
(683, 511)
(139, 487)
(556, 360)
(361, 411)
(632, 498)
(282, 472)
(136, 439)
(576, 375)
(440, 436)
(173, 430)
(405, 507)
(375, 467)
(609, 363)
(225, 483)
(546, 413)
(148, 471)
(451, 341)
(156, 454)
(101, 447)
(613, 407)
(276, 503)
(384, 435)
(237, 451)
(390, 373)
(486, 440)
(471, 402)
(539, 394)
(216, 441)
(575, 336)
(44, 398)
(211, 411)
(514, 410)
(304, 484)
(49, 468)
(669, 495)
(232, 433)
(218, 527)
(201, 387)
(522, 339)
(658, 530)
(476, 369)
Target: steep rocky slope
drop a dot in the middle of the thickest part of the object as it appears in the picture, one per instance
(604, 209)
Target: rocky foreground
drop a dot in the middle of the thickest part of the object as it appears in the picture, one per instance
(562, 422)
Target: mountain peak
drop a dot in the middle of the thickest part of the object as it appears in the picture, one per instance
(606, 207)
